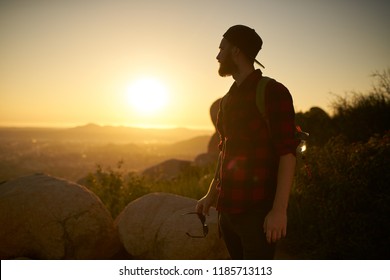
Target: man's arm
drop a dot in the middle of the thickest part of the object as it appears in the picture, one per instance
(275, 223)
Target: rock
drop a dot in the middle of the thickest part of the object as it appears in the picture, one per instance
(169, 169)
(211, 156)
(204, 160)
(154, 227)
(43, 217)
(212, 147)
(214, 108)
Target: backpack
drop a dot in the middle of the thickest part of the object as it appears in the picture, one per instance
(300, 135)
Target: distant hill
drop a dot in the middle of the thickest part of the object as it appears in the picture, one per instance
(191, 146)
(73, 152)
(104, 134)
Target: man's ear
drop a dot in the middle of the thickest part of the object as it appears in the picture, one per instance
(235, 50)
(235, 53)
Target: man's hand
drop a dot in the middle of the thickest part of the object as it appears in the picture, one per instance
(204, 204)
(275, 225)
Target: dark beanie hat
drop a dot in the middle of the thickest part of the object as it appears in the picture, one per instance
(246, 39)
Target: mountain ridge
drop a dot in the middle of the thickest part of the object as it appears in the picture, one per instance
(110, 134)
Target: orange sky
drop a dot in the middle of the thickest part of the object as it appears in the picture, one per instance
(65, 63)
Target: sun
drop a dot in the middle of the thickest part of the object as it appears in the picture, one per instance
(147, 96)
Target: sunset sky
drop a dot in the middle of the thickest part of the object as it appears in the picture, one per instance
(72, 62)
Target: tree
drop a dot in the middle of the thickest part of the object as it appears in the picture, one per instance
(318, 124)
(382, 84)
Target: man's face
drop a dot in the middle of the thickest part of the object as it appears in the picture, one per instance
(227, 66)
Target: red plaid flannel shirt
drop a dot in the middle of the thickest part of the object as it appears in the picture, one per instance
(250, 149)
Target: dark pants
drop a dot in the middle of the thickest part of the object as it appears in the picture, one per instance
(244, 236)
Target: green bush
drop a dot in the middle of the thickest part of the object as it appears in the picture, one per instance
(342, 210)
(193, 182)
(115, 188)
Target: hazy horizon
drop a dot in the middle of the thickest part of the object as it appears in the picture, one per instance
(153, 63)
(75, 125)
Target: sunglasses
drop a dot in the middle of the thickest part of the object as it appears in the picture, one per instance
(202, 219)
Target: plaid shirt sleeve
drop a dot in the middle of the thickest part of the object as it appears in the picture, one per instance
(281, 115)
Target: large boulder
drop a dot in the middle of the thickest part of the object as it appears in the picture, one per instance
(155, 225)
(43, 217)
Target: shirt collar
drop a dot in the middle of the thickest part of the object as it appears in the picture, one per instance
(250, 80)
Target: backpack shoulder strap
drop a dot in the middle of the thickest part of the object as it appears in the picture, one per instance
(260, 95)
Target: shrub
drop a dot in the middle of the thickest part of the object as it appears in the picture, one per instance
(341, 211)
(115, 188)
(359, 116)
(193, 182)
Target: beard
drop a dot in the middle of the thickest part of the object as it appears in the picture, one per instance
(227, 67)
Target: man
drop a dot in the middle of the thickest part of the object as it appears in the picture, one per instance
(257, 159)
